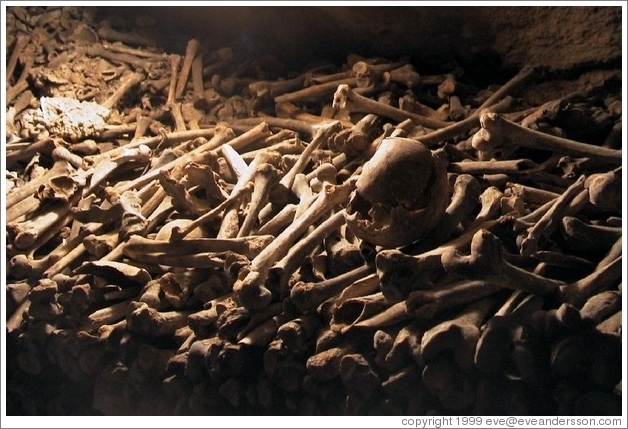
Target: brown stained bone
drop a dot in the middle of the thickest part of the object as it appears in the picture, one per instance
(356, 140)
(231, 220)
(325, 365)
(264, 333)
(611, 325)
(454, 388)
(322, 134)
(106, 32)
(202, 99)
(457, 112)
(409, 103)
(427, 304)
(101, 169)
(16, 90)
(587, 239)
(279, 221)
(25, 265)
(495, 103)
(108, 315)
(126, 84)
(122, 48)
(59, 168)
(345, 97)
(308, 296)
(507, 345)
(203, 322)
(367, 285)
(458, 335)
(218, 136)
(283, 367)
(235, 323)
(529, 194)
(578, 292)
(191, 50)
(498, 131)
(24, 101)
(265, 177)
(271, 89)
(572, 263)
(20, 43)
(178, 287)
(485, 262)
(315, 92)
(177, 117)
(383, 340)
(368, 311)
(406, 347)
(71, 257)
(466, 195)
(601, 306)
(407, 76)
(249, 284)
(280, 272)
(142, 319)
(295, 125)
(358, 375)
(249, 246)
(529, 220)
(510, 167)
(297, 333)
(304, 192)
(44, 146)
(24, 234)
(64, 153)
(605, 190)
(282, 137)
(237, 143)
(98, 50)
(548, 223)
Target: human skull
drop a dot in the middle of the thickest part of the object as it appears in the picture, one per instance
(401, 194)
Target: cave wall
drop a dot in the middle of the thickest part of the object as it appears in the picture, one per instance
(557, 37)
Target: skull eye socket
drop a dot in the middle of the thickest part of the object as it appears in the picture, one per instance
(359, 204)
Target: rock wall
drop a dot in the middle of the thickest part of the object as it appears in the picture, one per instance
(557, 37)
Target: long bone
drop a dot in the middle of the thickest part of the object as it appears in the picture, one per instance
(486, 262)
(578, 292)
(280, 272)
(308, 296)
(427, 304)
(587, 239)
(549, 221)
(498, 131)
(495, 103)
(191, 50)
(248, 246)
(345, 97)
(249, 284)
(24, 265)
(266, 176)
